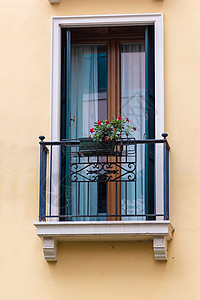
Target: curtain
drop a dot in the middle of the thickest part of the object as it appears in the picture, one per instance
(133, 108)
(84, 105)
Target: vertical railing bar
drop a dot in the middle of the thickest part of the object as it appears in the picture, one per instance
(164, 161)
(41, 182)
(107, 188)
(60, 179)
(107, 200)
(145, 178)
(43, 163)
(166, 182)
(79, 186)
(126, 203)
(50, 179)
(167, 178)
(70, 183)
(97, 161)
(88, 198)
(43, 185)
(79, 157)
(126, 152)
(97, 198)
(135, 178)
(116, 212)
(155, 147)
(45, 181)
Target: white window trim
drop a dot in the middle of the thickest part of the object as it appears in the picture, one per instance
(55, 95)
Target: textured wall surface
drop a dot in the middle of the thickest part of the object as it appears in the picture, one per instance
(108, 270)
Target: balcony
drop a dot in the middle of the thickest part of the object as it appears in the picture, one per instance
(89, 193)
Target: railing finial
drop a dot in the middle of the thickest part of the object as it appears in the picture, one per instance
(41, 137)
(165, 135)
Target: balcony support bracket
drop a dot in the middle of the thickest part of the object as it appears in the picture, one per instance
(160, 248)
(54, 1)
(50, 249)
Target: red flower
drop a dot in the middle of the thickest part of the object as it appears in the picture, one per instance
(99, 123)
(134, 128)
(127, 120)
(107, 122)
(106, 138)
(90, 136)
(92, 130)
(119, 118)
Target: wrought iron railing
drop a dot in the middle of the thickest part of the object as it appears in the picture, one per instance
(82, 181)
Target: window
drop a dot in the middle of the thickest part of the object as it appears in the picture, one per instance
(160, 231)
(112, 46)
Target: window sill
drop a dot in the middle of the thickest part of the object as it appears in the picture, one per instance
(52, 232)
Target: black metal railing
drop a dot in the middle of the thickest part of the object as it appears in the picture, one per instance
(82, 181)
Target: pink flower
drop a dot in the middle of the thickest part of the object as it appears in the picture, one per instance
(92, 130)
(99, 123)
(119, 118)
(134, 128)
(127, 120)
(90, 136)
(106, 138)
(107, 122)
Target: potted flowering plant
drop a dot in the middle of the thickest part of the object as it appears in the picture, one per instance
(104, 135)
(107, 131)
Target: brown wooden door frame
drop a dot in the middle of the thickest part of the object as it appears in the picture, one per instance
(114, 110)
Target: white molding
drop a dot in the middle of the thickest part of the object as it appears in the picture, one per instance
(50, 249)
(59, 22)
(158, 231)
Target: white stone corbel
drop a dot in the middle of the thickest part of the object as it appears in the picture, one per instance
(50, 249)
(160, 248)
(54, 1)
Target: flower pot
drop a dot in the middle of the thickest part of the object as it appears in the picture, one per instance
(90, 148)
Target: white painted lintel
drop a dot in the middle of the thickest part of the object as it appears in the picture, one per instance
(52, 232)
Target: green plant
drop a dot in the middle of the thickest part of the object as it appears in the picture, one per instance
(107, 131)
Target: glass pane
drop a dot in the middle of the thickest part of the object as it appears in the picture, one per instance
(88, 104)
(88, 87)
(133, 86)
(133, 108)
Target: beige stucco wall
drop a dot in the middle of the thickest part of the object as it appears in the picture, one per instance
(108, 270)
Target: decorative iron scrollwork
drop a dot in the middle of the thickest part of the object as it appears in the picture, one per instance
(81, 171)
